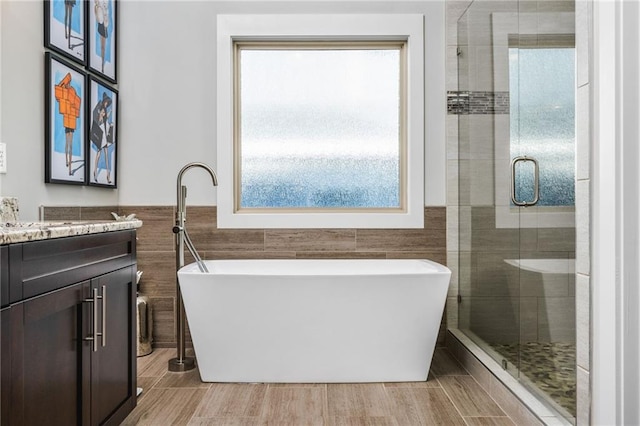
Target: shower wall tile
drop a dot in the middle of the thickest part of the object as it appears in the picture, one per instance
(529, 319)
(453, 213)
(583, 40)
(482, 184)
(455, 9)
(583, 397)
(583, 133)
(452, 66)
(557, 5)
(465, 229)
(583, 309)
(556, 319)
(556, 239)
(453, 180)
(452, 137)
(583, 223)
(451, 313)
(453, 263)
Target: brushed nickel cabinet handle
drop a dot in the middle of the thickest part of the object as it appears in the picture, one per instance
(94, 337)
(104, 316)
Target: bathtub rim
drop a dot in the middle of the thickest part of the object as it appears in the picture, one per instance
(428, 267)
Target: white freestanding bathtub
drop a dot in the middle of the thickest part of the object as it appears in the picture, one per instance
(314, 321)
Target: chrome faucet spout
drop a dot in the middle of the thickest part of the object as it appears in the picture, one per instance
(181, 363)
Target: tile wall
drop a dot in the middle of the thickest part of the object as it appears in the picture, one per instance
(156, 253)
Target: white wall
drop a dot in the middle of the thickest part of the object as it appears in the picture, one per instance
(166, 80)
(168, 90)
(22, 99)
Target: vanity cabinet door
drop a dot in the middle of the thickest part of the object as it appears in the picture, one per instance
(47, 357)
(113, 383)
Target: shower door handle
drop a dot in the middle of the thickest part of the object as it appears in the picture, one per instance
(536, 181)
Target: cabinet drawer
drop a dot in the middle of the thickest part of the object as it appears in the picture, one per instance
(41, 266)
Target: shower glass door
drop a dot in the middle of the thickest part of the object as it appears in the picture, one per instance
(516, 156)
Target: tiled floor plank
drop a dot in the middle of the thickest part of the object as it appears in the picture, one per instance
(182, 399)
(469, 398)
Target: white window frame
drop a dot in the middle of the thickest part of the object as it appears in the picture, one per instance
(351, 27)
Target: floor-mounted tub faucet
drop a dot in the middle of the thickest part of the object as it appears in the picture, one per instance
(181, 362)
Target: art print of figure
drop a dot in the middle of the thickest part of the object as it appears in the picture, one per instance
(65, 122)
(102, 27)
(102, 135)
(65, 28)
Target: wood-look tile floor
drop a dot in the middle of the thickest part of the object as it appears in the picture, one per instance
(450, 397)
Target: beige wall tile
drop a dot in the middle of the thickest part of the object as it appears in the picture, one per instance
(156, 231)
(163, 319)
(61, 213)
(159, 269)
(339, 255)
(98, 213)
(310, 239)
(400, 239)
(237, 254)
(557, 319)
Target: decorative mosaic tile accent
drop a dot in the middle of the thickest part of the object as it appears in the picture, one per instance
(8, 209)
(550, 366)
(465, 102)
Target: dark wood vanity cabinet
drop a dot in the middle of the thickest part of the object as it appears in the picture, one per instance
(68, 343)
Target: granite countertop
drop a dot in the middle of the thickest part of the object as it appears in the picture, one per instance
(19, 232)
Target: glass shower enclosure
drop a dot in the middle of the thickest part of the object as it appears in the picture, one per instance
(516, 156)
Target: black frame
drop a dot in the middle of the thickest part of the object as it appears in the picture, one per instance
(94, 61)
(91, 146)
(51, 122)
(52, 39)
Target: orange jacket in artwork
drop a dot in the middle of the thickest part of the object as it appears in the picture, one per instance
(69, 102)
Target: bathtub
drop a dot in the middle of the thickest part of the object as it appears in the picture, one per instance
(314, 321)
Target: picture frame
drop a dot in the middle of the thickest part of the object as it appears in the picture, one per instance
(102, 134)
(102, 29)
(65, 28)
(65, 113)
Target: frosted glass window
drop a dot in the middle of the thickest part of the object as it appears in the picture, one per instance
(542, 99)
(319, 126)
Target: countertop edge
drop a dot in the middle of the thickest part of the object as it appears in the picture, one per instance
(37, 231)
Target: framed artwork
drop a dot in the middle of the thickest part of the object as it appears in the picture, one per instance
(64, 28)
(102, 139)
(102, 27)
(65, 112)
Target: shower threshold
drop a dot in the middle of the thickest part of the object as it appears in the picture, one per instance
(536, 401)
